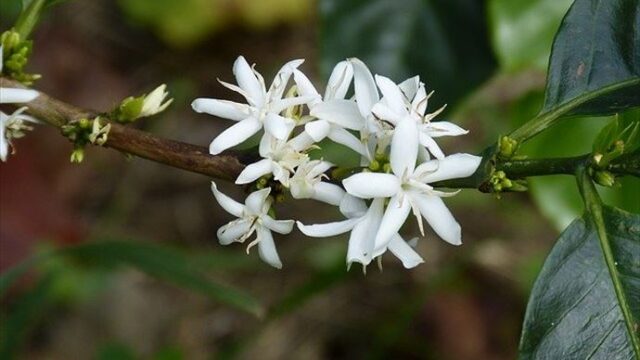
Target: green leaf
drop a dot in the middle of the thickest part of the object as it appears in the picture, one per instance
(573, 311)
(443, 41)
(522, 30)
(166, 263)
(594, 67)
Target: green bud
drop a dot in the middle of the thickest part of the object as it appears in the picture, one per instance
(9, 39)
(497, 187)
(375, 165)
(605, 178)
(382, 157)
(129, 109)
(519, 185)
(507, 147)
(77, 155)
(386, 168)
(506, 183)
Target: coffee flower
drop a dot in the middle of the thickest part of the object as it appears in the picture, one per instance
(252, 218)
(262, 110)
(408, 187)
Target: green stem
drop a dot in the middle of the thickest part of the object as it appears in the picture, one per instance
(593, 206)
(29, 17)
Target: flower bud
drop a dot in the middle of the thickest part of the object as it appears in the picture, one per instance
(605, 178)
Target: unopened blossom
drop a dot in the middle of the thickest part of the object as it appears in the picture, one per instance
(13, 126)
(154, 102)
(253, 218)
(408, 187)
(263, 108)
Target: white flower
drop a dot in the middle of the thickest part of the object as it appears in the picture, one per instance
(280, 158)
(364, 226)
(263, 108)
(306, 183)
(409, 100)
(408, 187)
(152, 103)
(333, 113)
(252, 217)
(13, 126)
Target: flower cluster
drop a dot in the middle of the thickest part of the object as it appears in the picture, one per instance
(386, 123)
(14, 125)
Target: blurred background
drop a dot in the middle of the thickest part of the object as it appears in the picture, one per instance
(117, 258)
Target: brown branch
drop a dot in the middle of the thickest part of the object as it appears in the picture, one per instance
(226, 166)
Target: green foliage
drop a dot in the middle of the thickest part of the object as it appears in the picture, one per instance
(443, 41)
(165, 263)
(573, 309)
(594, 67)
(522, 31)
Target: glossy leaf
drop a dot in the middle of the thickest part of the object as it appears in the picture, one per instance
(594, 67)
(573, 312)
(595, 61)
(443, 41)
(522, 31)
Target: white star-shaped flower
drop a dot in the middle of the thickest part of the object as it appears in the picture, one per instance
(409, 100)
(262, 110)
(408, 189)
(252, 218)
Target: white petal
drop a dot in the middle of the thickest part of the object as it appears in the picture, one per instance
(282, 78)
(233, 231)
(248, 81)
(278, 126)
(252, 172)
(221, 108)
(277, 106)
(328, 193)
(372, 185)
(430, 144)
(305, 87)
(364, 86)
(384, 112)
(392, 94)
(228, 204)
(394, 217)
(351, 206)
(13, 96)
(361, 241)
(339, 81)
(410, 86)
(301, 141)
(453, 167)
(255, 202)
(234, 135)
(318, 129)
(344, 137)
(404, 147)
(267, 248)
(425, 168)
(329, 229)
(439, 217)
(279, 226)
(340, 112)
(444, 128)
(4, 144)
(404, 252)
